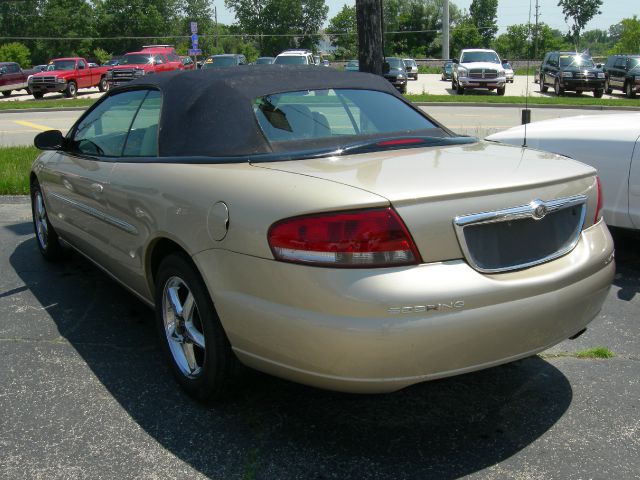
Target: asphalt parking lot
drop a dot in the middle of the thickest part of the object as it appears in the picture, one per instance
(84, 394)
(426, 83)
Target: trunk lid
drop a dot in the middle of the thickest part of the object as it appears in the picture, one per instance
(430, 187)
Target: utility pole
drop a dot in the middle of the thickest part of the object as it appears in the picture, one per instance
(445, 30)
(370, 49)
(536, 32)
(215, 24)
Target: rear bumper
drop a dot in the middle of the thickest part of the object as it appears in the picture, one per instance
(372, 331)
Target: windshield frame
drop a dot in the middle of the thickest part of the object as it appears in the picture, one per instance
(480, 57)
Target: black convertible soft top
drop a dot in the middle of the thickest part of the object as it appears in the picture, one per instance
(206, 111)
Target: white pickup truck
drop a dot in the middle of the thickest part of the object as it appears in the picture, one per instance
(478, 68)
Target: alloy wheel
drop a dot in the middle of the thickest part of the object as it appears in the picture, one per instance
(183, 327)
(40, 218)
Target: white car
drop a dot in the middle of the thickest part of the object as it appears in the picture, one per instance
(295, 57)
(411, 67)
(610, 143)
(508, 71)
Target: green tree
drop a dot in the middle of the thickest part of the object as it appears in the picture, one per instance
(464, 35)
(484, 14)
(629, 41)
(101, 55)
(343, 32)
(515, 43)
(580, 12)
(280, 23)
(65, 19)
(137, 18)
(15, 52)
(597, 42)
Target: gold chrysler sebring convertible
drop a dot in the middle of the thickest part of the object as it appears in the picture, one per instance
(317, 226)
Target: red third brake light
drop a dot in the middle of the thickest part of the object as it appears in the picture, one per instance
(399, 141)
(362, 238)
(600, 201)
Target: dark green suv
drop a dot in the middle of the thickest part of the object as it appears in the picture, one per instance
(571, 71)
(623, 73)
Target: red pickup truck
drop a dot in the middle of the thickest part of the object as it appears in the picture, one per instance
(151, 59)
(12, 77)
(68, 75)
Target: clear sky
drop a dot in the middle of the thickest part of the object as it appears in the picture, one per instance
(509, 12)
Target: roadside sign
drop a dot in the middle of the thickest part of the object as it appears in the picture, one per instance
(194, 39)
(194, 51)
(194, 27)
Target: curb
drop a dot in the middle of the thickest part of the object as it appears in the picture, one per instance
(41, 109)
(523, 105)
(14, 199)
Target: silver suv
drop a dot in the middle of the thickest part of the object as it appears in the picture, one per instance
(295, 57)
(478, 68)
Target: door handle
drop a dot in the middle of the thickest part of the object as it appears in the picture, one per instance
(97, 187)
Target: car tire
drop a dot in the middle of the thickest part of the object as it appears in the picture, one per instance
(459, 89)
(403, 89)
(196, 347)
(598, 93)
(46, 237)
(103, 86)
(6, 93)
(559, 91)
(543, 87)
(607, 87)
(628, 90)
(500, 90)
(72, 90)
(38, 95)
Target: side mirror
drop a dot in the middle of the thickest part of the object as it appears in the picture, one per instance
(386, 67)
(80, 67)
(455, 61)
(49, 140)
(598, 65)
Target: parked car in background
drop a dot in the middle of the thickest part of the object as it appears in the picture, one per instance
(622, 72)
(396, 73)
(352, 66)
(264, 61)
(224, 60)
(67, 75)
(93, 65)
(608, 143)
(571, 71)
(411, 67)
(447, 70)
(113, 62)
(152, 59)
(295, 57)
(188, 63)
(316, 60)
(13, 77)
(328, 231)
(325, 63)
(478, 68)
(508, 71)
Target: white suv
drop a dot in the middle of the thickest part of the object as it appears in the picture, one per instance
(295, 57)
(478, 68)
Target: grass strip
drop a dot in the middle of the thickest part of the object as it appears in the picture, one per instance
(60, 103)
(483, 97)
(15, 164)
(596, 352)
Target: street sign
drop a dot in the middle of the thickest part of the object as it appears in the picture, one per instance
(194, 39)
(194, 27)
(194, 51)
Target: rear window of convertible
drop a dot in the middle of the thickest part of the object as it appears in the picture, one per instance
(333, 116)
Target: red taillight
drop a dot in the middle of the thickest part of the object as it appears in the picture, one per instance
(364, 238)
(600, 201)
